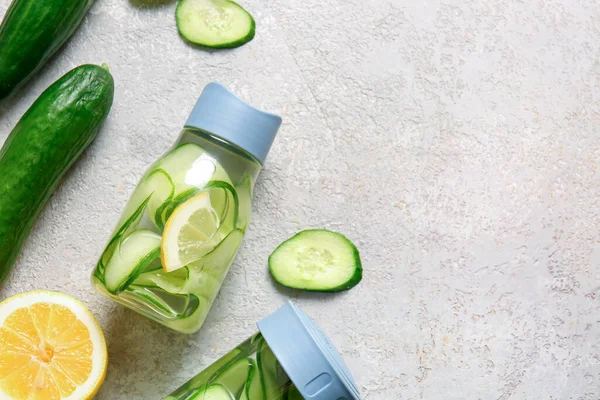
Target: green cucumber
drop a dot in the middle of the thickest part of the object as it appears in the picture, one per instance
(317, 260)
(130, 258)
(51, 135)
(212, 392)
(31, 32)
(214, 23)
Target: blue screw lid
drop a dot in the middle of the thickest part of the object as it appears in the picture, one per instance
(307, 356)
(223, 114)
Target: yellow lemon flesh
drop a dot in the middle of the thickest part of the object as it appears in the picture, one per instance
(51, 348)
(190, 233)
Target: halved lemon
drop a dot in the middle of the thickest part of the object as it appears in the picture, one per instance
(190, 233)
(51, 348)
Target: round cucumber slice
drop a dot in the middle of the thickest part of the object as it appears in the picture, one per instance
(130, 258)
(317, 260)
(214, 23)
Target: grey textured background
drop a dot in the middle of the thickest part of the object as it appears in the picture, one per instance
(456, 141)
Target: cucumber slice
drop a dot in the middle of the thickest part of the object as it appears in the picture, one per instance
(191, 167)
(161, 187)
(253, 388)
(269, 369)
(212, 392)
(172, 282)
(214, 23)
(130, 258)
(316, 260)
(217, 262)
(123, 230)
(235, 376)
(158, 186)
(170, 306)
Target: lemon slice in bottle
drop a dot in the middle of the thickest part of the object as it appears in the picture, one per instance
(51, 348)
(190, 232)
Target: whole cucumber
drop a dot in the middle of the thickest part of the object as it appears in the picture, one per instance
(59, 125)
(31, 32)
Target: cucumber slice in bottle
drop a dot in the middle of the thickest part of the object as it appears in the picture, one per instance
(253, 388)
(217, 262)
(210, 374)
(130, 259)
(316, 260)
(161, 188)
(172, 282)
(214, 23)
(168, 305)
(212, 392)
(235, 376)
(123, 230)
(190, 167)
(268, 367)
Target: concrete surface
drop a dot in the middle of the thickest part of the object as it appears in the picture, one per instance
(456, 141)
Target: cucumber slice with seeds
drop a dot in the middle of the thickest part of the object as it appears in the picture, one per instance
(316, 260)
(214, 23)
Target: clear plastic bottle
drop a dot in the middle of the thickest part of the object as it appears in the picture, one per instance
(289, 358)
(185, 220)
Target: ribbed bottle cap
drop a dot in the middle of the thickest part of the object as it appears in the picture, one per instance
(223, 114)
(307, 356)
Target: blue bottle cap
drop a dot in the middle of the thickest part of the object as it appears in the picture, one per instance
(307, 356)
(223, 114)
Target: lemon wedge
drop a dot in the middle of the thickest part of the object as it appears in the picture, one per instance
(190, 232)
